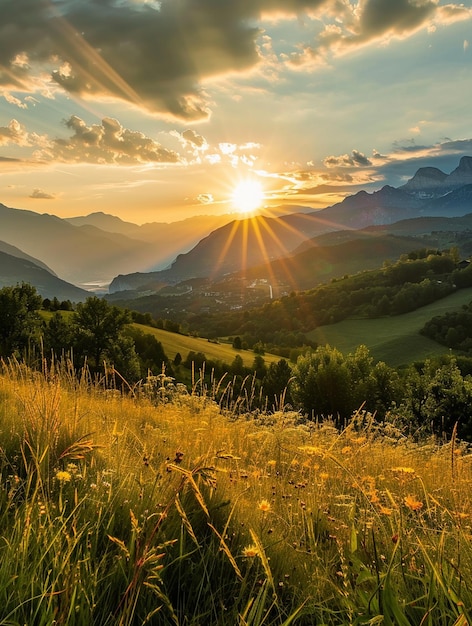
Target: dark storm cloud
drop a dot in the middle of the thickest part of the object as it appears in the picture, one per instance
(157, 55)
(154, 54)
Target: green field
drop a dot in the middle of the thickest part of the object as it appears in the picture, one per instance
(173, 343)
(395, 340)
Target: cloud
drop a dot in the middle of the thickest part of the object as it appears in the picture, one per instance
(15, 133)
(158, 56)
(372, 21)
(39, 194)
(355, 159)
(205, 198)
(197, 141)
(151, 55)
(106, 143)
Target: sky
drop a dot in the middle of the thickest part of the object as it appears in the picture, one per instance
(159, 110)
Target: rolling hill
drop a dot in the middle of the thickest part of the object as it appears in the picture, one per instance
(15, 270)
(82, 252)
(395, 340)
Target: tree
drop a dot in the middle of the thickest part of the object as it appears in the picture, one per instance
(19, 318)
(276, 383)
(259, 367)
(437, 397)
(58, 335)
(149, 350)
(326, 383)
(237, 343)
(99, 326)
(322, 383)
(237, 366)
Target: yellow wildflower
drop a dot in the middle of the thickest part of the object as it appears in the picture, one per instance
(251, 551)
(63, 477)
(413, 503)
(403, 470)
(374, 498)
(385, 510)
(264, 506)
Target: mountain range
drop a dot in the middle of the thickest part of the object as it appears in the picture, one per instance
(89, 251)
(258, 241)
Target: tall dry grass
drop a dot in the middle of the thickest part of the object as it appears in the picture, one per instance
(156, 506)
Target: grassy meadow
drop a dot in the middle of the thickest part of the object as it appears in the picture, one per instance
(396, 340)
(162, 507)
(221, 351)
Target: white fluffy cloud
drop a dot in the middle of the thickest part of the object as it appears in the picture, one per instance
(14, 134)
(108, 142)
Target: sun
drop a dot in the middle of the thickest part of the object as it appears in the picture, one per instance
(247, 196)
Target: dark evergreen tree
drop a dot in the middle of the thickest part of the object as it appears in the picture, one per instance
(58, 335)
(276, 384)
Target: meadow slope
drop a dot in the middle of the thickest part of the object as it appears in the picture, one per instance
(396, 340)
(157, 509)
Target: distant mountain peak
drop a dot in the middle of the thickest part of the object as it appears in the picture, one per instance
(426, 179)
(463, 169)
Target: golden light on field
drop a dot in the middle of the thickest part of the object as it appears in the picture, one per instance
(247, 196)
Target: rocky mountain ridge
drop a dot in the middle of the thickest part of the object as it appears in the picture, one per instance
(431, 182)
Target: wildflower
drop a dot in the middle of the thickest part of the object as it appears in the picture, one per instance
(251, 551)
(311, 450)
(374, 498)
(413, 503)
(264, 506)
(385, 510)
(63, 476)
(272, 463)
(403, 470)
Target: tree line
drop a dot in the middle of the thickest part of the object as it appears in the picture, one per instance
(423, 398)
(416, 279)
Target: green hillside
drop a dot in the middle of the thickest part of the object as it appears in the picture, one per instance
(395, 340)
(173, 343)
